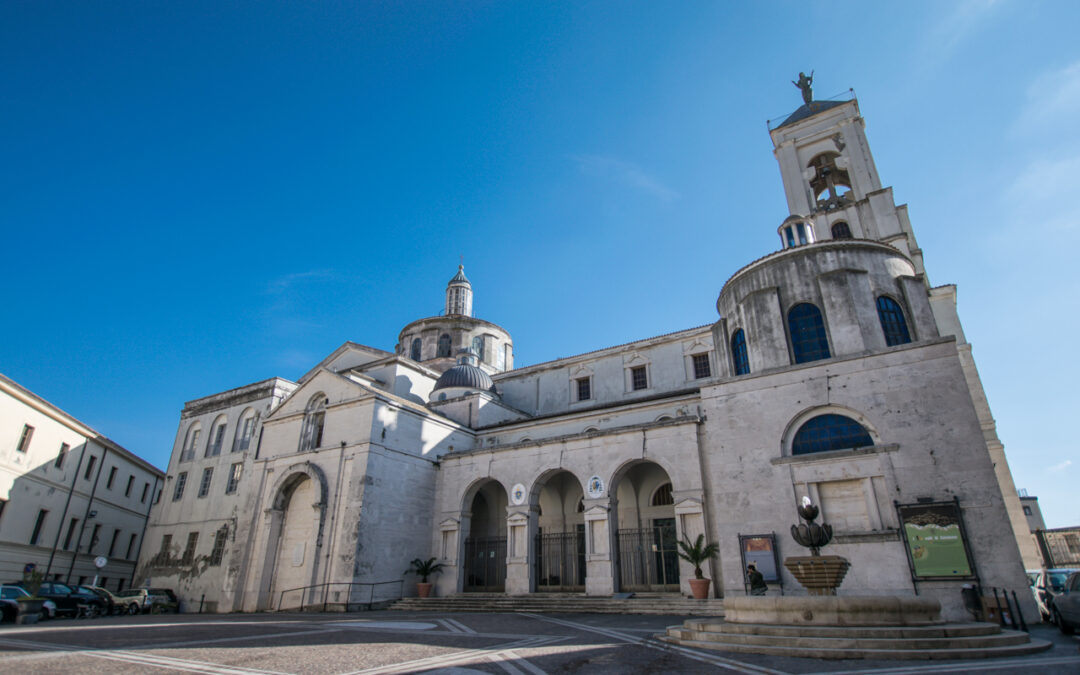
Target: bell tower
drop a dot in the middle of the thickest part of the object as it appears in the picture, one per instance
(831, 181)
(459, 295)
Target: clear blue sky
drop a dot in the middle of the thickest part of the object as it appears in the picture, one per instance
(200, 195)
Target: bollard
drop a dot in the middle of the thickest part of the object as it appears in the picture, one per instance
(201, 602)
(997, 603)
(1023, 624)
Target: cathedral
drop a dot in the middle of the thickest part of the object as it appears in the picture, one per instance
(835, 371)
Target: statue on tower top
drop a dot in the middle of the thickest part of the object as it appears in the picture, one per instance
(804, 85)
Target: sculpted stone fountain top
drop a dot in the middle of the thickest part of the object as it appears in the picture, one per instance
(819, 574)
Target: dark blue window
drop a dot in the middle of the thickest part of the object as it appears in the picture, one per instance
(892, 321)
(738, 353)
(841, 230)
(829, 432)
(414, 353)
(808, 339)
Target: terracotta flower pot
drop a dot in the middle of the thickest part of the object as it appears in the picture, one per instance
(423, 590)
(700, 588)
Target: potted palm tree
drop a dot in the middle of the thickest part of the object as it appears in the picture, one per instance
(30, 606)
(424, 569)
(697, 554)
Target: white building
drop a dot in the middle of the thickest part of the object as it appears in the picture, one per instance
(68, 495)
(835, 371)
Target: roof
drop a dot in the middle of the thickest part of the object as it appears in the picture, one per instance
(464, 375)
(808, 110)
(459, 278)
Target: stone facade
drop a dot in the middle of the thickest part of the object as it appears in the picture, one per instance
(68, 495)
(834, 372)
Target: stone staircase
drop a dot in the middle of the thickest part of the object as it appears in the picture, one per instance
(565, 603)
(943, 641)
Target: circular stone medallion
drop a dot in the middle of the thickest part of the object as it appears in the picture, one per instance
(596, 487)
(517, 494)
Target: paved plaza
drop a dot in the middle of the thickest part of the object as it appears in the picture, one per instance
(403, 642)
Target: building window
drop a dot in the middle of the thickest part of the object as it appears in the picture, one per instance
(739, 355)
(131, 482)
(181, 481)
(584, 388)
(662, 496)
(245, 430)
(145, 490)
(189, 550)
(120, 584)
(217, 438)
(414, 352)
(1027, 510)
(892, 321)
(70, 533)
(444, 346)
(190, 443)
(808, 339)
(500, 358)
(131, 547)
(204, 484)
(639, 378)
(24, 439)
(314, 417)
(112, 544)
(840, 230)
(112, 478)
(90, 467)
(701, 366)
(93, 538)
(38, 525)
(478, 347)
(234, 478)
(830, 432)
(219, 547)
(62, 455)
(166, 544)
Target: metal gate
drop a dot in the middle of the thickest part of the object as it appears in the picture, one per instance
(485, 564)
(648, 560)
(560, 561)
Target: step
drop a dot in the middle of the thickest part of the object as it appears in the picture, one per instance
(942, 630)
(974, 642)
(570, 603)
(1032, 647)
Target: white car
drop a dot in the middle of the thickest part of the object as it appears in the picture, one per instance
(48, 610)
(1066, 607)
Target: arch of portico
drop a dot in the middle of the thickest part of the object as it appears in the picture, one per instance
(558, 552)
(483, 537)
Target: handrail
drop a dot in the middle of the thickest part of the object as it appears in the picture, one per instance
(350, 584)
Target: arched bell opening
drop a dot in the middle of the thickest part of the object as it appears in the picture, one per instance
(645, 529)
(559, 550)
(484, 556)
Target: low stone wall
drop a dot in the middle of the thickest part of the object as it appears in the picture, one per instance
(834, 611)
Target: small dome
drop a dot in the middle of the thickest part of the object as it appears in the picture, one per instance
(465, 375)
(459, 278)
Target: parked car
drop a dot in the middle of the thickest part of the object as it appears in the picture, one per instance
(13, 593)
(110, 600)
(68, 600)
(1066, 609)
(174, 603)
(9, 610)
(1048, 585)
(143, 601)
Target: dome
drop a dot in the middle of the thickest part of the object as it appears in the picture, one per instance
(459, 278)
(465, 375)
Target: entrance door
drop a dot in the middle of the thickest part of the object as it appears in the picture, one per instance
(648, 560)
(485, 564)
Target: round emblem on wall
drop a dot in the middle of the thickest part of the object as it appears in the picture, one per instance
(517, 494)
(596, 487)
(100, 561)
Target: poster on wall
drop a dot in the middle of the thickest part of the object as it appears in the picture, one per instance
(760, 549)
(935, 540)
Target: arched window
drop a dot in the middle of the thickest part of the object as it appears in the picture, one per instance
(808, 339)
(314, 417)
(478, 347)
(414, 352)
(662, 496)
(892, 321)
(830, 183)
(840, 230)
(444, 345)
(217, 437)
(245, 430)
(738, 353)
(187, 453)
(829, 432)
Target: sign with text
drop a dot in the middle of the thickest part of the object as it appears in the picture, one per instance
(935, 540)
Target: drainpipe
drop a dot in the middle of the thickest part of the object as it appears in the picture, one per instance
(142, 537)
(89, 503)
(63, 516)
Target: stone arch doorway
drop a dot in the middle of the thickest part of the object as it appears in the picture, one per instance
(645, 529)
(295, 523)
(559, 550)
(484, 556)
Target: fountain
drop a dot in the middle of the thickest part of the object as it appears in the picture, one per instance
(819, 574)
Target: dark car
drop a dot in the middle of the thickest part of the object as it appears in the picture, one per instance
(1066, 607)
(1047, 585)
(103, 594)
(9, 610)
(70, 600)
